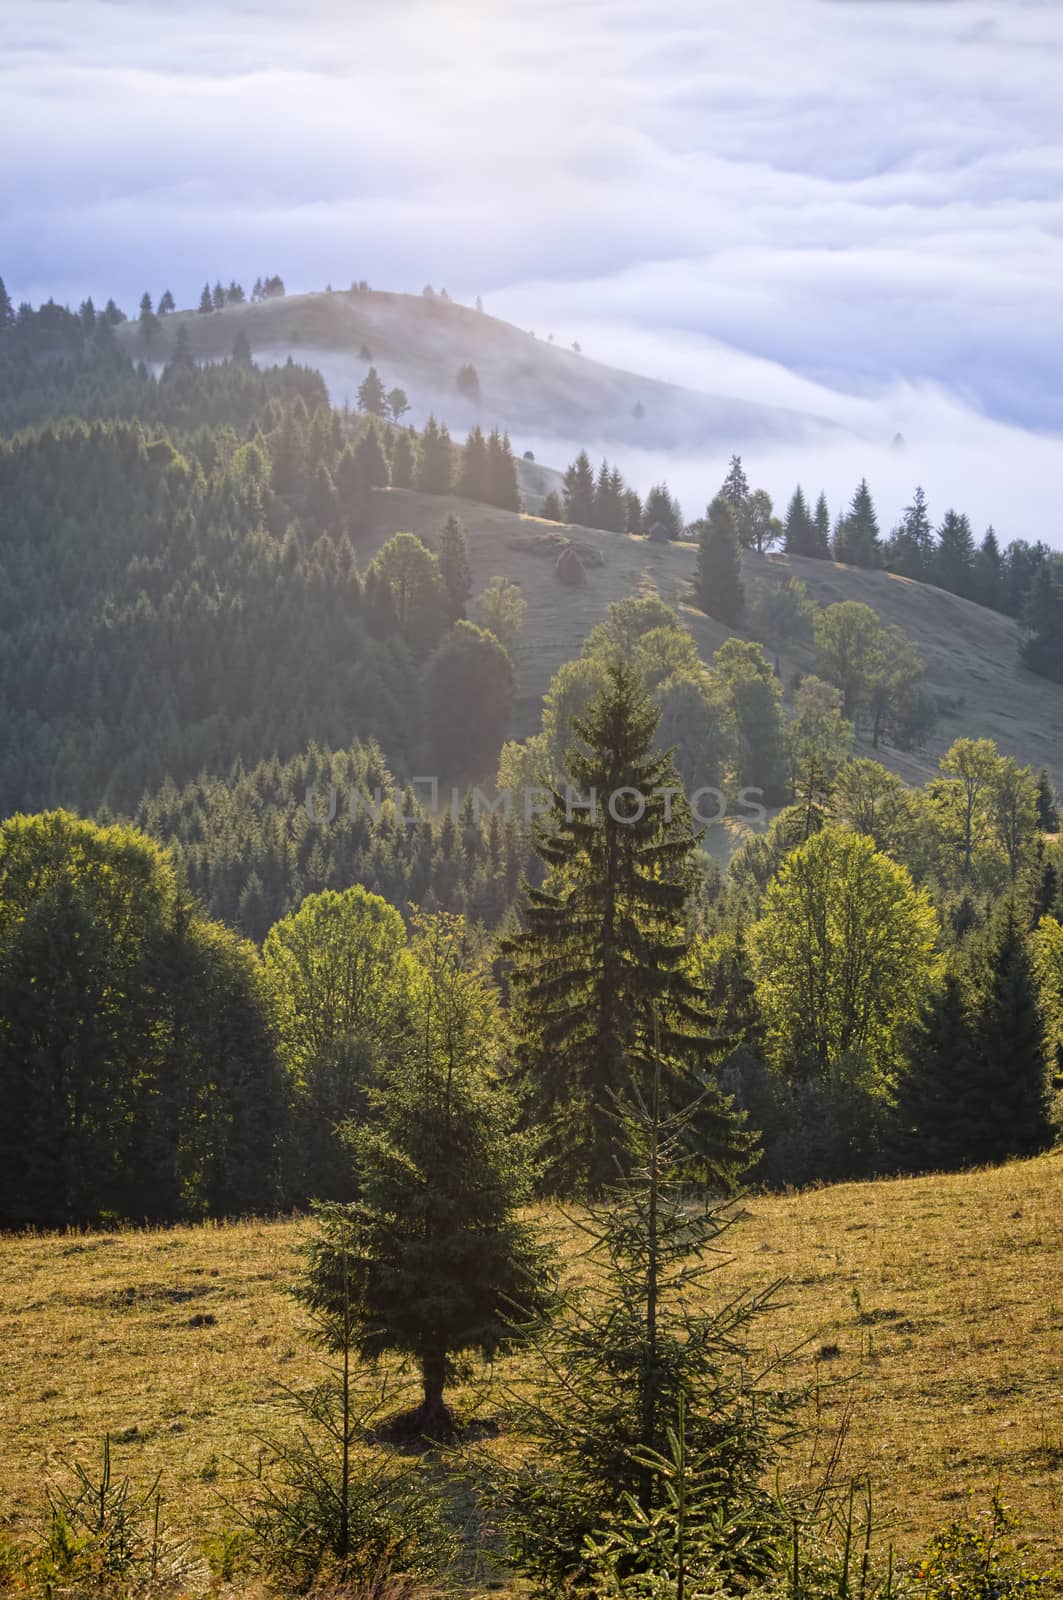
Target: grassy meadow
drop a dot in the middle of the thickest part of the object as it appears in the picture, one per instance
(929, 1310)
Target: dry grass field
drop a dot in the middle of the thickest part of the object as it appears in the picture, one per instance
(934, 1307)
(971, 654)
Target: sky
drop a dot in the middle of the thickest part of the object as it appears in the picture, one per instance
(852, 206)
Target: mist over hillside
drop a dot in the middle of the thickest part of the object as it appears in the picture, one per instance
(555, 400)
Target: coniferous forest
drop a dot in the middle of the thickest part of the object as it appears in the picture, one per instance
(250, 968)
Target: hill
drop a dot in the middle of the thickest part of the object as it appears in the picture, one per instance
(527, 384)
(932, 1304)
(971, 653)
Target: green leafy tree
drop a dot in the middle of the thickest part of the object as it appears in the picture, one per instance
(965, 799)
(502, 607)
(435, 1259)
(398, 404)
(756, 700)
(819, 740)
(343, 985)
(842, 957)
(848, 651)
(718, 572)
(470, 698)
(604, 944)
(418, 593)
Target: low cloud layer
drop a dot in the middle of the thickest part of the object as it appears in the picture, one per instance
(853, 207)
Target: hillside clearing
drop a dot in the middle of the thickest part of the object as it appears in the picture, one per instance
(971, 654)
(934, 1304)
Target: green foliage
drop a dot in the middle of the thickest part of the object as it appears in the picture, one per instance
(470, 700)
(642, 1395)
(434, 1259)
(718, 574)
(842, 956)
(137, 1055)
(604, 947)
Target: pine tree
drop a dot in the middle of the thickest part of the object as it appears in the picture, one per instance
(435, 469)
(7, 310)
(1042, 617)
(604, 941)
(552, 509)
(954, 559)
(218, 296)
(718, 573)
(205, 302)
(636, 1354)
(371, 394)
(610, 512)
(579, 492)
(454, 565)
(439, 1261)
(800, 534)
(856, 540)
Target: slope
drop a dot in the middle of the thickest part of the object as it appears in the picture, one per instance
(931, 1303)
(971, 653)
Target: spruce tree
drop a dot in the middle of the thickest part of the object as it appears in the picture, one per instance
(372, 396)
(579, 492)
(435, 469)
(735, 486)
(1007, 1111)
(661, 507)
(503, 477)
(552, 509)
(718, 572)
(954, 559)
(205, 302)
(636, 1353)
(434, 1258)
(474, 481)
(1047, 804)
(987, 579)
(404, 460)
(7, 310)
(372, 461)
(856, 539)
(799, 531)
(821, 530)
(937, 1092)
(911, 548)
(604, 941)
(454, 565)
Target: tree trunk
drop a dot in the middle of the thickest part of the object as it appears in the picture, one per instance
(433, 1417)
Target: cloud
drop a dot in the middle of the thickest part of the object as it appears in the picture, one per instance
(856, 204)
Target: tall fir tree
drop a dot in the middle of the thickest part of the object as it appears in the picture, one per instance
(435, 469)
(604, 945)
(454, 565)
(937, 1094)
(718, 571)
(7, 310)
(856, 539)
(987, 585)
(503, 476)
(579, 491)
(799, 537)
(953, 567)
(474, 478)
(911, 547)
(1007, 1111)
(821, 530)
